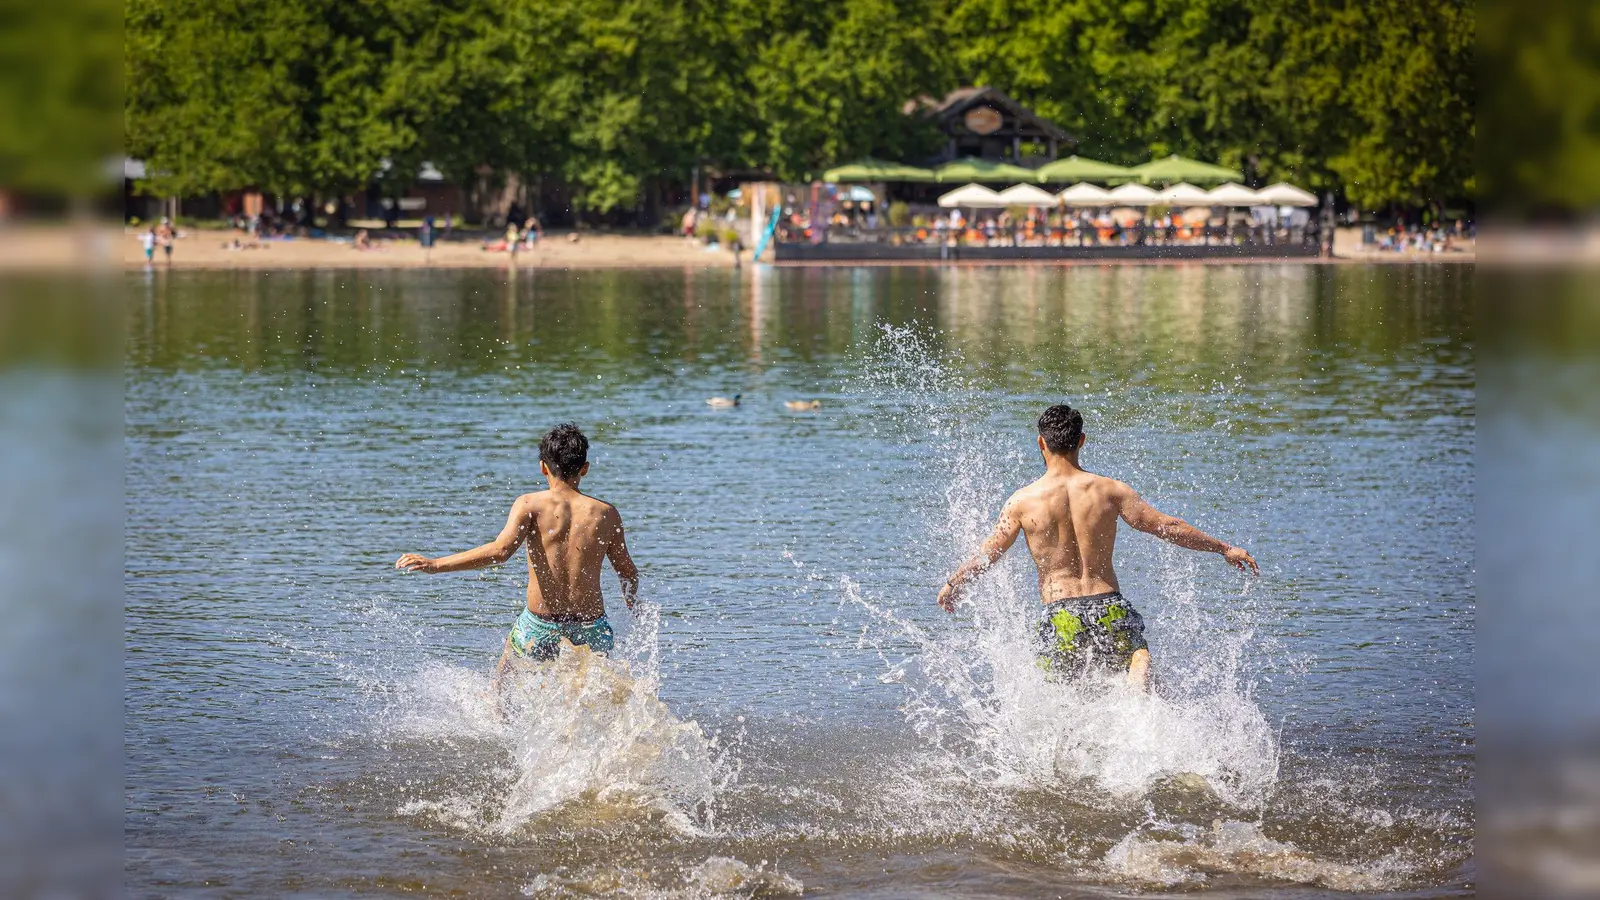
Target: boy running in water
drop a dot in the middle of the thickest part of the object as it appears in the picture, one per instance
(1070, 519)
(568, 534)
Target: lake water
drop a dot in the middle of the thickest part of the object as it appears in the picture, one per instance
(789, 710)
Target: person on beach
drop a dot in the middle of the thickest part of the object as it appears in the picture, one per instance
(513, 238)
(148, 240)
(166, 236)
(568, 534)
(1069, 517)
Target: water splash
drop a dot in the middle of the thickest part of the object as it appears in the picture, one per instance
(974, 691)
(582, 727)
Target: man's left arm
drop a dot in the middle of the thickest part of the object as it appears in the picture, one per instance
(1146, 518)
(617, 553)
(995, 546)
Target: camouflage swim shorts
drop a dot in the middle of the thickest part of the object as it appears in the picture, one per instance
(1099, 632)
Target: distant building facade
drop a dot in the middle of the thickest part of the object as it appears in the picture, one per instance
(984, 122)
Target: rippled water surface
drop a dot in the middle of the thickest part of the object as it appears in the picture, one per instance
(789, 711)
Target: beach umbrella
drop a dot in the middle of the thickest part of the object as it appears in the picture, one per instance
(1027, 195)
(860, 194)
(1233, 195)
(974, 169)
(1076, 168)
(1175, 168)
(974, 196)
(1285, 194)
(870, 169)
(1182, 194)
(1131, 195)
(1084, 194)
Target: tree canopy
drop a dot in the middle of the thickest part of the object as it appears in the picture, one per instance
(615, 96)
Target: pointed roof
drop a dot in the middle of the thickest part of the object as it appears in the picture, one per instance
(956, 103)
(1231, 194)
(1183, 194)
(972, 196)
(1131, 194)
(1285, 194)
(1027, 195)
(1084, 194)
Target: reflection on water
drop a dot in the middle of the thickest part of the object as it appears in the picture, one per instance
(824, 725)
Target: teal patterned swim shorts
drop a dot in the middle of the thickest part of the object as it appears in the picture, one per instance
(534, 637)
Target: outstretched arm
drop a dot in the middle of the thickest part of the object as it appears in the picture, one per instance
(493, 553)
(999, 541)
(1141, 515)
(617, 552)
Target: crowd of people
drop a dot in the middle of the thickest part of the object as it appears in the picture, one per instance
(1062, 227)
(1052, 228)
(1429, 237)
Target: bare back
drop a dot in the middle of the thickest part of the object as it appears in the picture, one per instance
(1069, 517)
(1070, 522)
(568, 536)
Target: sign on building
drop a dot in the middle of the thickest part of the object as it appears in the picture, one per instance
(983, 120)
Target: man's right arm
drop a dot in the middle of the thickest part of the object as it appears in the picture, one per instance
(1000, 540)
(518, 524)
(1146, 518)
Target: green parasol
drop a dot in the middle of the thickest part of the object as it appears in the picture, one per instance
(1176, 168)
(1074, 169)
(869, 169)
(972, 169)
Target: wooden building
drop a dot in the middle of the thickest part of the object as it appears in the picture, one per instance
(985, 123)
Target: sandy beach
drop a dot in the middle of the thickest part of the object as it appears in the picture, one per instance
(217, 250)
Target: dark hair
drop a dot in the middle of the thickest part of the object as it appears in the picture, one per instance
(565, 451)
(1061, 426)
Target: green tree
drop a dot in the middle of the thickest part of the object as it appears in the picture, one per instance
(617, 97)
(1382, 97)
(294, 97)
(826, 82)
(1376, 98)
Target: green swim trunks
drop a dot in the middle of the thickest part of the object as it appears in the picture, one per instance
(1099, 632)
(539, 638)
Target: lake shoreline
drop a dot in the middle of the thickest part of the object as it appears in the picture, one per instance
(217, 250)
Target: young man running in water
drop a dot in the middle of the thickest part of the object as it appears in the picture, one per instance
(568, 534)
(1070, 519)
